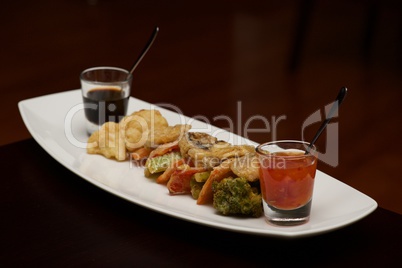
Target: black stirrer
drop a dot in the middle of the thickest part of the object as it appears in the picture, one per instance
(339, 99)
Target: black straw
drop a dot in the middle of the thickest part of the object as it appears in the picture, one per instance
(339, 99)
(145, 49)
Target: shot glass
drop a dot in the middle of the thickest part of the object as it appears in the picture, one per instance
(105, 92)
(287, 175)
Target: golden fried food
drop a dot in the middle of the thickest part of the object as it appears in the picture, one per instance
(167, 134)
(247, 167)
(149, 128)
(108, 141)
(217, 174)
(136, 131)
(150, 119)
(139, 125)
(196, 140)
(144, 128)
(207, 151)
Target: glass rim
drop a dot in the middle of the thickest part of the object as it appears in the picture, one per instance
(127, 80)
(312, 152)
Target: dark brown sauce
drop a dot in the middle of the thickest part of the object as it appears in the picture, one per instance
(104, 105)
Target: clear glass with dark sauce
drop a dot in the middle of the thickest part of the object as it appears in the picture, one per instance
(104, 105)
(105, 92)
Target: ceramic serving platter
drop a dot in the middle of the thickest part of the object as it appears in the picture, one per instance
(57, 123)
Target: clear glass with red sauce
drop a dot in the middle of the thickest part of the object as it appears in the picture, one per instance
(287, 175)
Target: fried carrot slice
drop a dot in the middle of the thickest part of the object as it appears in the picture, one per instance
(141, 153)
(217, 174)
(165, 176)
(165, 148)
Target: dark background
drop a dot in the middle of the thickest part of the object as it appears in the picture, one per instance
(274, 58)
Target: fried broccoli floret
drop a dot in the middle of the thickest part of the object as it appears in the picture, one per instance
(235, 196)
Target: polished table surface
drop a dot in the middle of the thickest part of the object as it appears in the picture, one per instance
(52, 217)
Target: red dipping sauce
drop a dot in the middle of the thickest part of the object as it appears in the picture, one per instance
(287, 179)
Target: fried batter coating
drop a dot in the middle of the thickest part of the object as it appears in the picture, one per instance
(217, 174)
(144, 128)
(149, 128)
(136, 131)
(208, 152)
(153, 119)
(196, 140)
(247, 167)
(108, 141)
(166, 134)
(220, 151)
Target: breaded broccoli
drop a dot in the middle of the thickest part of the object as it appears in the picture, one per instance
(235, 196)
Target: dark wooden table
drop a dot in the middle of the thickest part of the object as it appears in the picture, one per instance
(51, 217)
